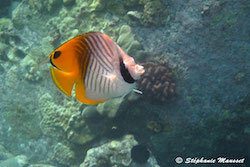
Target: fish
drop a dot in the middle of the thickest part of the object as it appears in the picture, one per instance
(97, 67)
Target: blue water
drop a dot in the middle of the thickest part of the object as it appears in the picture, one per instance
(203, 44)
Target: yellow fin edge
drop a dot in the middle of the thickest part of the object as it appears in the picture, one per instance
(54, 74)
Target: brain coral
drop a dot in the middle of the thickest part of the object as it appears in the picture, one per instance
(157, 83)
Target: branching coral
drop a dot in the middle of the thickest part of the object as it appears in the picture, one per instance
(157, 82)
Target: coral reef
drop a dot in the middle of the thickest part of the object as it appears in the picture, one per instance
(109, 108)
(43, 7)
(3, 51)
(63, 154)
(154, 12)
(20, 114)
(4, 154)
(140, 154)
(4, 24)
(55, 118)
(12, 77)
(1, 69)
(67, 27)
(116, 152)
(30, 61)
(155, 126)
(40, 165)
(16, 55)
(18, 161)
(76, 125)
(149, 13)
(144, 12)
(83, 129)
(157, 83)
(128, 42)
(207, 43)
(230, 122)
(114, 7)
(5, 6)
(47, 44)
(68, 2)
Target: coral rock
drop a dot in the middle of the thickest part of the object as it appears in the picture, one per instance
(128, 43)
(4, 154)
(135, 14)
(157, 83)
(68, 2)
(155, 13)
(80, 131)
(18, 161)
(113, 153)
(4, 24)
(3, 51)
(110, 107)
(63, 154)
(41, 165)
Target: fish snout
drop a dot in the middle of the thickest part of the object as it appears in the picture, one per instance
(139, 69)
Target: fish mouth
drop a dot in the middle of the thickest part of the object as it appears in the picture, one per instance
(139, 69)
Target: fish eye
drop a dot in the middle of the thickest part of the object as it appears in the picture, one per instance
(57, 54)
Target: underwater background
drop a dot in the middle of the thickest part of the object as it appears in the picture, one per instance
(195, 100)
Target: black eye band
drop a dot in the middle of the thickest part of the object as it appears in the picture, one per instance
(53, 64)
(125, 73)
(57, 54)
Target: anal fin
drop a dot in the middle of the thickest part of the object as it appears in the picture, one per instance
(80, 94)
(63, 80)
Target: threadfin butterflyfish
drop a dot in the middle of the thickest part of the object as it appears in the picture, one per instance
(96, 65)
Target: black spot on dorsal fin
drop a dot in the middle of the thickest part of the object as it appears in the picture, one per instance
(125, 73)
